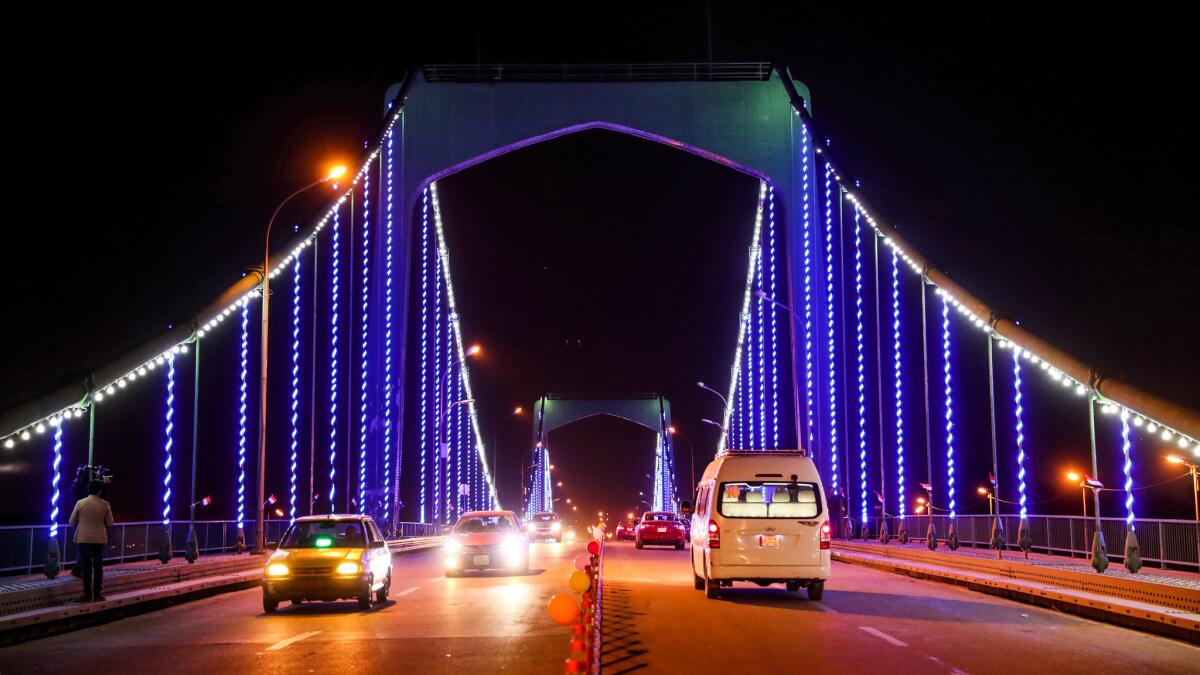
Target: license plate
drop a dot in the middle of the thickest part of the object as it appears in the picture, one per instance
(662, 529)
(769, 540)
(481, 560)
(311, 586)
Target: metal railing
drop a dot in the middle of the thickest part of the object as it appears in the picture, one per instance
(1164, 543)
(599, 72)
(23, 547)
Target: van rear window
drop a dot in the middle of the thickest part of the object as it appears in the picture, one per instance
(773, 499)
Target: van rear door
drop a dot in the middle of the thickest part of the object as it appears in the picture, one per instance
(772, 522)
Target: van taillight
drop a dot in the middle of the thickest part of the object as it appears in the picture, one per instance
(825, 530)
(714, 535)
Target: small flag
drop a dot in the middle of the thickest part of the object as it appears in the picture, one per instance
(1092, 482)
(271, 499)
(927, 487)
(991, 478)
(206, 501)
(879, 497)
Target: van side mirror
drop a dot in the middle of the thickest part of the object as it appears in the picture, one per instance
(685, 507)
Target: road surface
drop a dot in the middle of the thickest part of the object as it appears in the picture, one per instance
(869, 622)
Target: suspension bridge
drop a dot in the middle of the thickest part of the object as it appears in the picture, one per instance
(351, 388)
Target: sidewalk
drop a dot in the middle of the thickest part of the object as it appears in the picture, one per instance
(1162, 601)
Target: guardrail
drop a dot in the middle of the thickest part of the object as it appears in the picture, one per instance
(23, 547)
(1164, 543)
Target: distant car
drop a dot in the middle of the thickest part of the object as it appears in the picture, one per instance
(545, 525)
(328, 558)
(659, 528)
(483, 540)
(627, 530)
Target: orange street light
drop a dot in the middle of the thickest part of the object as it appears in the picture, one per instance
(568, 500)
(920, 500)
(560, 483)
(551, 467)
(473, 350)
(574, 508)
(1074, 477)
(518, 410)
(1175, 460)
(981, 490)
(671, 429)
(335, 172)
(921, 509)
(629, 516)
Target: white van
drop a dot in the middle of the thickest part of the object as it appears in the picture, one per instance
(761, 516)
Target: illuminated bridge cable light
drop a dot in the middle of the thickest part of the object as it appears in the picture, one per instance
(242, 439)
(761, 374)
(364, 371)
(1127, 467)
(426, 409)
(55, 462)
(168, 440)
(295, 420)
(387, 387)
(737, 400)
(440, 395)
(831, 322)
(335, 284)
(774, 328)
(806, 219)
(1018, 413)
(949, 407)
(861, 371)
(898, 370)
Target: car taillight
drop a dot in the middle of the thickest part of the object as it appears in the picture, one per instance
(714, 535)
(825, 530)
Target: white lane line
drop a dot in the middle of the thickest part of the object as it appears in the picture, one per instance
(407, 591)
(884, 636)
(283, 643)
(438, 579)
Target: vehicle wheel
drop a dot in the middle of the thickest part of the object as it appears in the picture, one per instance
(381, 595)
(793, 586)
(637, 544)
(712, 589)
(816, 590)
(364, 598)
(679, 546)
(698, 581)
(270, 604)
(298, 601)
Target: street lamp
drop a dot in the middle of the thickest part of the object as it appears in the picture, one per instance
(1194, 470)
(259, 527)
(691, 453)
(1087, 483)
(708, 388)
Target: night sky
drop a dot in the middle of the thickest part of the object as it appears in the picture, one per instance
(1045, 162)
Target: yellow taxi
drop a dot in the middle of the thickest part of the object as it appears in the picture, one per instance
(335, 557)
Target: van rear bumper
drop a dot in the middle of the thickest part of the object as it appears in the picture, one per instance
(776, 573)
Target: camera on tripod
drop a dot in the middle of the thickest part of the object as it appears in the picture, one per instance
(85, 474)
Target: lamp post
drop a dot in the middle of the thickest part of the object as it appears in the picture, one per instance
(993, 515)
(1089, 483)
(719, 395)
(259, 526)
(1194, 470)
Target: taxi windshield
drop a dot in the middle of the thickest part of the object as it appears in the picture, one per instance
(484, 524)
(325, 534)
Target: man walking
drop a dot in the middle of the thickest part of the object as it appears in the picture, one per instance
(91, 518)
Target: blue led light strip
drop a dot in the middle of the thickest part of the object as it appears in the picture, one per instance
(458, 450)
(439, 407)
(1020, 429)
(54, 476)
(363, 372)
(760, 438)
(168, 440)
(774, 328)
(862, 365)
(425, 368)
(295, 458)
(949, 405)
(335, 284)
(387, 342)
(447, 501)
(245, 364)
(739, 368)
(1126, 445)
(808, 337)
(899, 383)
(833, 407)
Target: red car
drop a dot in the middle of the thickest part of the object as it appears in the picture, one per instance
(659, 528)
(627, 530)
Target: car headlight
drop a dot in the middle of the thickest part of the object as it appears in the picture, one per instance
(453, 546)
(531, 527)
(510, 545)
(556, 527)
(277, 570)
(347, 568)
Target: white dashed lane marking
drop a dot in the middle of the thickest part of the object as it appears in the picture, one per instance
(283, 643)
(884, 636)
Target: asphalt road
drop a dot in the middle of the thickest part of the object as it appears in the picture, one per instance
(475, 624)
(869, 622)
